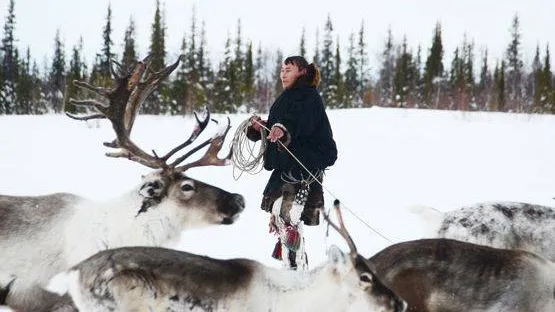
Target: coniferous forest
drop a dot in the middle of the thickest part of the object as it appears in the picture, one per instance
(246, 79)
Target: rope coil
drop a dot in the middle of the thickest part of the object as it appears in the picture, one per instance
(246, 156)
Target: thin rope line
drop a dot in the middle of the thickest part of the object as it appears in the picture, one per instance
(326, 189)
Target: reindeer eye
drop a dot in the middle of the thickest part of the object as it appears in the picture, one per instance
(187, 187)
(366, 278)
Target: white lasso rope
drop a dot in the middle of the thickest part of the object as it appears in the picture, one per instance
(246, 156)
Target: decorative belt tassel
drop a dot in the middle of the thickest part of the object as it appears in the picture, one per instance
(292, 238)
(276, 254)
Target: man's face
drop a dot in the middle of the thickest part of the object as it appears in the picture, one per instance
(289, 74)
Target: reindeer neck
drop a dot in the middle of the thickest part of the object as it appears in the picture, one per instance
(118, 222)
(302, 291)
(155, 226)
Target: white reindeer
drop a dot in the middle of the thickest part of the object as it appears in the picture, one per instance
(509, 225)
(157, 279)
(44, 235)
(443, 275)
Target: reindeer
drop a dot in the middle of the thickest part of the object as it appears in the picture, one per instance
(509, 225)
(157, 279)
(443, 275)
(44, 235)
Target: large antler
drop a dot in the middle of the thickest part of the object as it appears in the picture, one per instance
(121, 104)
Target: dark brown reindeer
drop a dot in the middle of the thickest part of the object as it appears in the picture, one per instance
(443, 275)
(158, 279)
(44, 235)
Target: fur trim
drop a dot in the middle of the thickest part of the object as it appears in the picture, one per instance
(286, 138)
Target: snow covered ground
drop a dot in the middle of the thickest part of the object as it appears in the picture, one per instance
(389, 160)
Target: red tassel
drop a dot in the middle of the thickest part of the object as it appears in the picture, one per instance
(276, 254)
(292, 239)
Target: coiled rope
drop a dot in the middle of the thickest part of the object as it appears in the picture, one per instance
(252, 163)
(247, 155)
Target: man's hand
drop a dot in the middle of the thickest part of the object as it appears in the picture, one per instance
(276, 133)
(256, 122)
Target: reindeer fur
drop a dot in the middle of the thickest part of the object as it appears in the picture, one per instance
(509, 225)
(158, 279)
(443, 275)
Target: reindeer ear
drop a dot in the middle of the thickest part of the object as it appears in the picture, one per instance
(152, 189)
(336, 257)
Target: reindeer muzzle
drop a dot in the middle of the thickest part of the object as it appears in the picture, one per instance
(231, 206)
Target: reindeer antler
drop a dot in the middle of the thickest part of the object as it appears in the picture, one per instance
(122, 106)
(210, 158)
(341, 229)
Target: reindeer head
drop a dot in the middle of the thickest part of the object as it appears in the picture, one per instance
(353, 269)
(194, 203)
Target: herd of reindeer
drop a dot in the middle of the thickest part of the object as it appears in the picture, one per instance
(62, 252)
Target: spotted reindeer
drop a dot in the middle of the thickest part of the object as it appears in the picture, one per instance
(510, 225)
(44, 235)
(444, 275)
(157, 279)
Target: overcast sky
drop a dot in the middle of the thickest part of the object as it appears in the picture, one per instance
(278, 24)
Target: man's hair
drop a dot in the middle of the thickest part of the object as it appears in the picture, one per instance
(312, 76)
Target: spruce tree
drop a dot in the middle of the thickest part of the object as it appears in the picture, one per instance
(77, 69)
(484, 86)
(302, 45)
(25, 86)
(195, 92)
(206, 75)
(514, 66)
(416, 79)
(363, 69)
(499, 87)
(263, 86)
(468, 60)
(338, 96)
(387, 71)
(248, 76)
(352, 83)
(547, 89)
(129, 57)
(327, 64)
(180, 85)
(316, 59)
(107, 54)
(457, 79)
(236, 70)
(278, 88)
(402, 76)
(39, 102)
(157, 40)
(535, 81)
(57, 76)
(433, 69)
(10, 62)
(101, 74)
(222, 99)
(153, 105)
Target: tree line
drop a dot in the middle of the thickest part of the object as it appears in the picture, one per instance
(246, 78)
